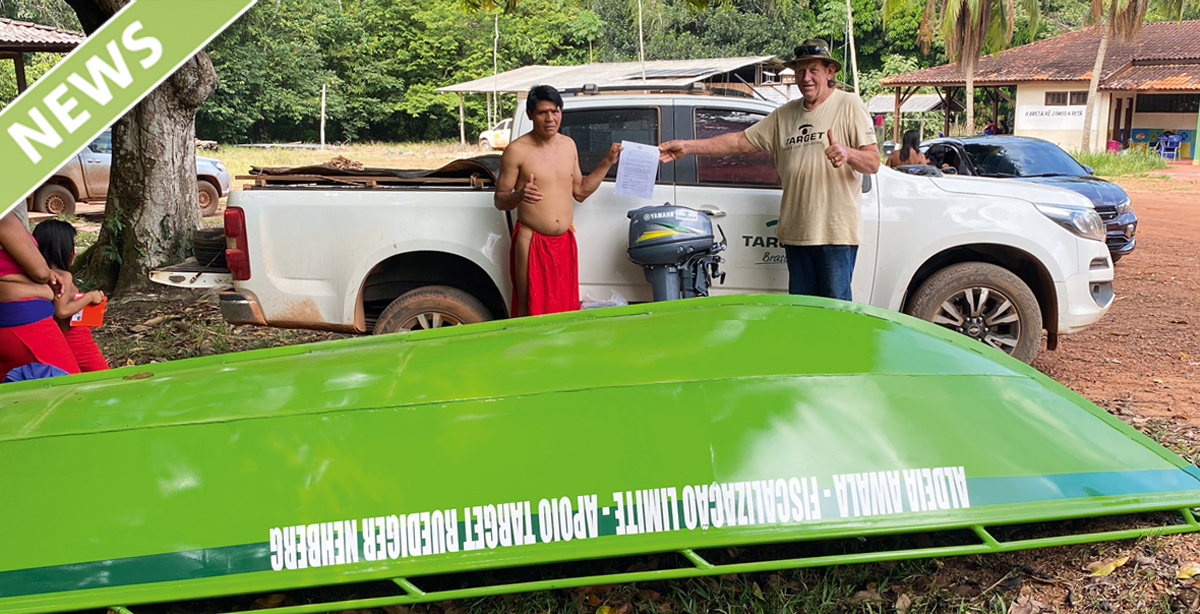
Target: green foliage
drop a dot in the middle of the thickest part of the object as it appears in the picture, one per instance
(892, 65)
(381, 62)
(36, 65)
(46, 12)
(271, 65)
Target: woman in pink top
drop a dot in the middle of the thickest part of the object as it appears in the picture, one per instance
(28, 333)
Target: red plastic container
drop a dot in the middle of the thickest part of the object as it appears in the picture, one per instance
(92, 315)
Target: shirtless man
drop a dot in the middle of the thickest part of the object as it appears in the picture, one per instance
(545, 164)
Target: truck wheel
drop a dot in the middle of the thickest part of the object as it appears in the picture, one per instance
(485, 145)
(209, 197)
(54, 199)
(430, 307)
(984, 302)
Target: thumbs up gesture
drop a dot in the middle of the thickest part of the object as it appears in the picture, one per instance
(530, 193)
(837, 154)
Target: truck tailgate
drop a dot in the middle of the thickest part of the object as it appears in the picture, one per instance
(192, 274)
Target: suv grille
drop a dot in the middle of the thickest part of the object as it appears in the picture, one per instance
(1107, 212)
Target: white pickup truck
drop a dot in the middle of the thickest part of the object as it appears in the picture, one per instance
(997, 260)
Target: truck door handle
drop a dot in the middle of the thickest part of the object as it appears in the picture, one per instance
(712, 210)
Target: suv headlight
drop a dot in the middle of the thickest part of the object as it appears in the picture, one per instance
(1124, 207)
(1080, 220)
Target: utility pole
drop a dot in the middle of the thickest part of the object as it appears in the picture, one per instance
(850, 39)
(641, 42)
(322, 116)
(495, 64)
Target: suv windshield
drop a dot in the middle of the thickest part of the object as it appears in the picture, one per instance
(1022, 159)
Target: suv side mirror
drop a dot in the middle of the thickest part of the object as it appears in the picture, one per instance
(1090, 170)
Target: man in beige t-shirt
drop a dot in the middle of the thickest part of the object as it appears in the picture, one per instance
(821, 145)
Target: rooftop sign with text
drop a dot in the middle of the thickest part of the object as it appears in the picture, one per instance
(135, 51)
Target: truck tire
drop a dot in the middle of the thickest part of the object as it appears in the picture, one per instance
(208, 196)
(984, 302)
(54, 199)
(208, 246)
(485, 145)
(430, 307)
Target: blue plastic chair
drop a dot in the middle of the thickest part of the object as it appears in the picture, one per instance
(1168, 146)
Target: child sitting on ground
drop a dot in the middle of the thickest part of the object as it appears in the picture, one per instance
(56, 241)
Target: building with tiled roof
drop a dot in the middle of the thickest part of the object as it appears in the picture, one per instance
(1147, 86)
(20, 37)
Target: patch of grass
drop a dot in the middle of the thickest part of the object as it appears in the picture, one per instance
(84, 239)
(1127, 161)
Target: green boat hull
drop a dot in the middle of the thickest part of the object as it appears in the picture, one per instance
(668, 427)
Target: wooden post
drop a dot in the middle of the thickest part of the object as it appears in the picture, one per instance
(322, 116)
(462, 122)
(995, 104)
(896, 119)
(19, 66)
(949, 105)
(1196, 141)
(1116, 116)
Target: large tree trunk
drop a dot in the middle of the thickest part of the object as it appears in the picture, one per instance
(152, 205)
(1094, 84)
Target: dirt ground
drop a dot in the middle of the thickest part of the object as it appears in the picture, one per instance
(1140, 363)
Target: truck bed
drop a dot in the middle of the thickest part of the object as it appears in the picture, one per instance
(477, 173)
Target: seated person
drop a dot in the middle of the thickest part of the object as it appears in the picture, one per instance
(56, 242)
(909, 152)
(951, 160)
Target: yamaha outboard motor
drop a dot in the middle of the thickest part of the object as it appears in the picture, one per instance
(676, 247)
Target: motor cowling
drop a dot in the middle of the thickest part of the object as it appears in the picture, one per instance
(676, 247)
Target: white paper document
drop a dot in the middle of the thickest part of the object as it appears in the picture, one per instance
(637, 170)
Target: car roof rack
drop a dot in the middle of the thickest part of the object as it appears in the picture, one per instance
(697, 88)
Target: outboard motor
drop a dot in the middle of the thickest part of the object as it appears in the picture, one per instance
(676, 247)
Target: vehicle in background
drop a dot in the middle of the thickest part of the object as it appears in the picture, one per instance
(1034, 160)
(497, 136)
(85, 179)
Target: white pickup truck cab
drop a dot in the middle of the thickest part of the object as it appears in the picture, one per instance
(999, 261)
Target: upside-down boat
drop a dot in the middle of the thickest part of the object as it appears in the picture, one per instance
(677, 427)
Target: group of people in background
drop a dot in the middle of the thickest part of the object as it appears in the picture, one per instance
(38, 298)
(994, 127)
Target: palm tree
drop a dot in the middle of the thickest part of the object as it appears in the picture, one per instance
(1125, 18)
(968, 27)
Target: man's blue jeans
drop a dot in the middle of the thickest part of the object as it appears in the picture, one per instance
(821, 270)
